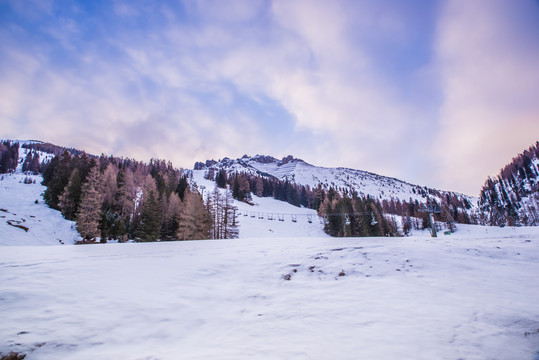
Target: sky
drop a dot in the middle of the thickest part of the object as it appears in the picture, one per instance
(437, 93)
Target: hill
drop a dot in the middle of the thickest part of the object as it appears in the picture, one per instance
(396, 196)
(512, 198)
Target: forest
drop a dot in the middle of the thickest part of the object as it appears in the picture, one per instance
(117, 198)
(512, 198)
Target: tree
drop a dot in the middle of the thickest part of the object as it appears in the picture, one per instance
(89, 211)
(56, 178)
(9, 157)
(194, 220)
(221, 178)
(70, 198)
(150, 214)
(170, 226)
(109, 186)
(126, 195)
(230, 224)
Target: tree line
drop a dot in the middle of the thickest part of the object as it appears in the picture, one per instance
(338, 209)
(9, 156)
(512, 198)
(118, 198)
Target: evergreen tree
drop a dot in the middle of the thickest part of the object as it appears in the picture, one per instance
(89, 211)
(170, 226)
(221, 178)
(150, 214)
(70, 198)
(56, 179)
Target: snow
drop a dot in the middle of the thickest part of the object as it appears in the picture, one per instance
(252, 226)
(471, 295)
(17, 206)
(300, 172)
(284, 290)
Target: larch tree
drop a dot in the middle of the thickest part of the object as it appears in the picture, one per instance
(89, 211)
(230, 224)
(151, 211)
(194, 220)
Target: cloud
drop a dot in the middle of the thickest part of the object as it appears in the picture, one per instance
(488, 66)
(362, 84)
(197, 85)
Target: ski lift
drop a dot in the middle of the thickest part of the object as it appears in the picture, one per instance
(294, 218)
(326, 221)
(346, 219)
(373, 220)
(281, 217)
(245, 214)
(253, 214)
(310, 219)
(261, 215)
(270, 216)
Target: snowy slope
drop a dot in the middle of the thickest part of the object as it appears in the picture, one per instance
(23, 152)
(471, 295)
(17, 206)
(300, 172)
(262, 218)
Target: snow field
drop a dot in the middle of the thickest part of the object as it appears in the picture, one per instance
(465, 296)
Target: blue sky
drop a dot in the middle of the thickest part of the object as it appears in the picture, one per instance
(438, 93)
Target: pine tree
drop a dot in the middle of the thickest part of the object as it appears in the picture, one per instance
(150, 214)
(70, 198)
(89, 211)
(27, 162)
(171, 215)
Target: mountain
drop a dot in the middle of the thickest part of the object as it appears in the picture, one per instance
(344, 180)
(512, 198)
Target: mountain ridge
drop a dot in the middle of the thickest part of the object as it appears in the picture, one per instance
(340, 178)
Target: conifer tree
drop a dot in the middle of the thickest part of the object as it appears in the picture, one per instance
(193, 221)
(70, 198)
(150, 214)
(171, 216)
(89, 211)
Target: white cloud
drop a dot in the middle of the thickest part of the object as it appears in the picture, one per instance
(333, 66)
(490, 77)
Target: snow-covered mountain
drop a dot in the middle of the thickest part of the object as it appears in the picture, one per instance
(513, 196)
(340, 178)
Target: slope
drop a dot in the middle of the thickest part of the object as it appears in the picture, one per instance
(25, 219)
(342, 179)
(262, 218)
